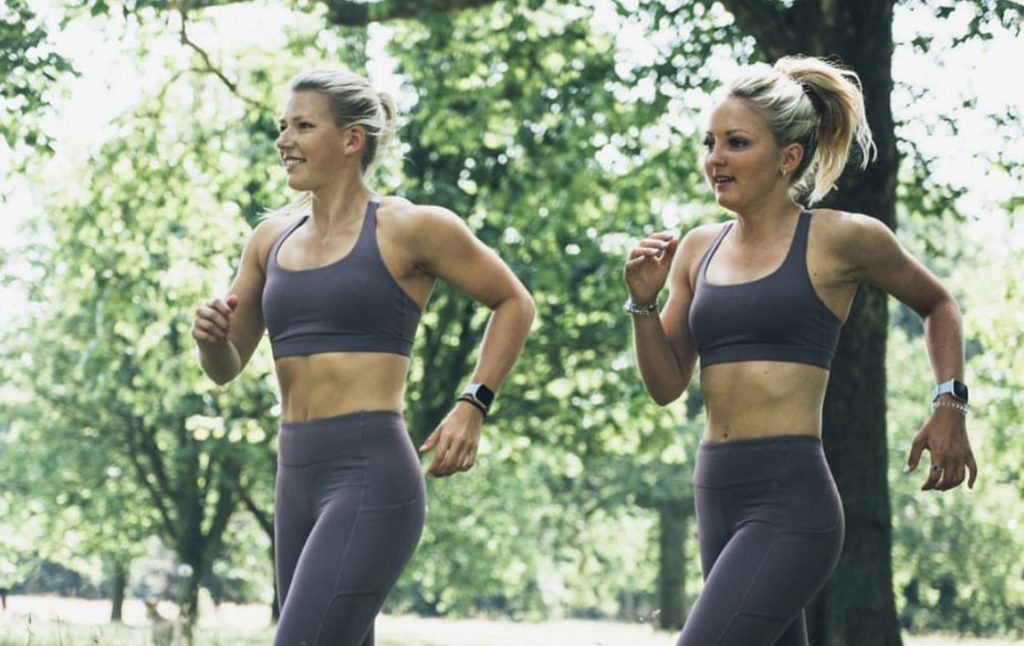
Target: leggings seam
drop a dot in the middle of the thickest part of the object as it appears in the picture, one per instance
(746, 593)
(344, 559)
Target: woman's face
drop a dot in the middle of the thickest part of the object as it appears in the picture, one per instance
(742, 161)
(313, 149)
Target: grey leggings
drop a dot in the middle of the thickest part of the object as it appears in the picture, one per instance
(770, 526)
(349, 511)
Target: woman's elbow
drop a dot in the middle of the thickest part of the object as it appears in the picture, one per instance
(519, 305)
(529, 307)
(663, 396)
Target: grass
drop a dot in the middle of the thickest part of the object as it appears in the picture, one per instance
(50, 621)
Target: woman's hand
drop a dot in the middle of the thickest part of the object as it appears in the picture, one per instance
(648, 265)
(456, 438)
(213, 321)
(945, 435)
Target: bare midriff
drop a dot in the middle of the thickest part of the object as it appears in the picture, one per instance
(337, 383)
(755, 399)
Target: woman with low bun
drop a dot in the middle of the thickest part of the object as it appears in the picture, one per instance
(338, 280)
(760, 301)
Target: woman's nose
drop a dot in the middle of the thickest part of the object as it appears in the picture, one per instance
(283, 139)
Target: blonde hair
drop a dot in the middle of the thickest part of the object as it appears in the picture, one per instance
(816, 104)
(352, 101)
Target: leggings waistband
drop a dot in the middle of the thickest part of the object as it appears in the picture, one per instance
(347, 420)
(768, 458)
(351, 435)
(759, 443)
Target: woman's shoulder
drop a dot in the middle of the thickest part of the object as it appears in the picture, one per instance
(700, 238)
(266, 232)
(706, 232)
(400, 208)
(273, 225)
(400, 217)
(844, 228)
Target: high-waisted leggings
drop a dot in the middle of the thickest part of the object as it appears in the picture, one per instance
(349, 510)
(770, 527)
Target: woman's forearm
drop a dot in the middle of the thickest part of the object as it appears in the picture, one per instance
(944, 336)
(504, 339)
(660, 369)
(220, 361)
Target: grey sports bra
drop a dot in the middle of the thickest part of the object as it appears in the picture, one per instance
(775, 318)
(351, 305)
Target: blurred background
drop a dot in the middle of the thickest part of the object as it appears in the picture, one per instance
(138, 153)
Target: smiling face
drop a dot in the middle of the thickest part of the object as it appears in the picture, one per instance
(743, 161)
(315, 152)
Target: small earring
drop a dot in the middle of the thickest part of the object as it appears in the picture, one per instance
(784, 173)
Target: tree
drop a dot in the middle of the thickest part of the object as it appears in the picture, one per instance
(109, 358)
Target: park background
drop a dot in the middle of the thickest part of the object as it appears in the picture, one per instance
(139, 153)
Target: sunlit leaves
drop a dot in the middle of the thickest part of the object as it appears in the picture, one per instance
(29, 69)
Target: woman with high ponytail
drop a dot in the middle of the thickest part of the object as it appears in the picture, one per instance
(760, 301)
(338, 279)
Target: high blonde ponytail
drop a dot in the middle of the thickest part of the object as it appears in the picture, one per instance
(816, 104)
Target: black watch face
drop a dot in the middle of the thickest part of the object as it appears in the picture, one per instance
(960, 391)
(485, 395)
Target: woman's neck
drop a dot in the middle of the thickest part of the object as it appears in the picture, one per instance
(340, 203)
(767, 222)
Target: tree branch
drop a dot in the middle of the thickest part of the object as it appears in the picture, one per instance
(141, 473)
(208, 66)
(360, 14)
(225, 508)
(263, 519)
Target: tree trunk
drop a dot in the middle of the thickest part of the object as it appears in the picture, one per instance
(672, 526)
(857, 605)
(190, 601)
(118, 583)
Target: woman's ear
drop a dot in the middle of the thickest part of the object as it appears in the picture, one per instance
(792, 155)
(354, 139)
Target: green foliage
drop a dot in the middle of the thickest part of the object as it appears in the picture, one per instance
(29, 68)
(956, 565)
(984, 16)
(114, 431)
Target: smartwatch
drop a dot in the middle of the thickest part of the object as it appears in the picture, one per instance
(957, 389)
(479, 395)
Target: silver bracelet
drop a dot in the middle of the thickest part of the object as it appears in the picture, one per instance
(955, 405)
(642, 310)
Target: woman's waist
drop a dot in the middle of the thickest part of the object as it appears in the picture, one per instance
(336, 384)
(348, 440)
(762, 399)
(750, 417)
(767, 461)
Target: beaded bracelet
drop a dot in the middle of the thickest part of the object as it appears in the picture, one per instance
(643, 310)
(955, 405)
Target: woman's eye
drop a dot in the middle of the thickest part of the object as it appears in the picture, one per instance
(737, 143)
(709, 143)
